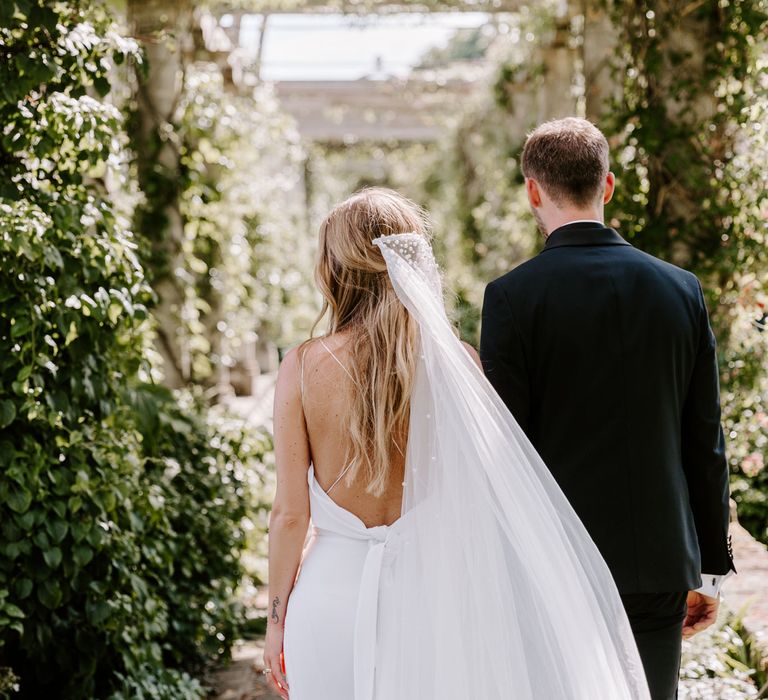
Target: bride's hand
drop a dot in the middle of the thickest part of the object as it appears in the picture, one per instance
(273, 659)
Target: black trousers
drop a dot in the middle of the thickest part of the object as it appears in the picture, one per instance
(657, 623)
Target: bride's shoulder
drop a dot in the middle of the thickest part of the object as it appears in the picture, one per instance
(295, 363)
(296, 356)
(304, 347)
(289, 372)
(292, 362)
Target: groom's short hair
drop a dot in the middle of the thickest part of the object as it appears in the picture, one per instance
(569, 159)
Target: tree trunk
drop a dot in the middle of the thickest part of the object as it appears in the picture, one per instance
(599, 43)
(164, 30)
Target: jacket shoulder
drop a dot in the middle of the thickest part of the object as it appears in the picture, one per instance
(550, 261)
(674, 273)
(521, 273)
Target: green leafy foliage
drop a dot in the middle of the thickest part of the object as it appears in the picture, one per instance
(205, 477)
(245, 245)
(687, 109)
(151, 683)
(120, 502)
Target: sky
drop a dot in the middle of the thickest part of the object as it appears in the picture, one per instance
(343, 47)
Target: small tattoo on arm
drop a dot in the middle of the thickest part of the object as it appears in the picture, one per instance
(274, 614)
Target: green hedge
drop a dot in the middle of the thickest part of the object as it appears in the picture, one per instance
(120, 503)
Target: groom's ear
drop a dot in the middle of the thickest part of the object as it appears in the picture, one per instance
(534, 196)
(610, 186)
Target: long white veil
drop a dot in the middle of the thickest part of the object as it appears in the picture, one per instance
(493, 588)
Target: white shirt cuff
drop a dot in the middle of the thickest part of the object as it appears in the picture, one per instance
(712, 583)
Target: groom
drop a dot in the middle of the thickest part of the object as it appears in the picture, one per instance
(605, 357)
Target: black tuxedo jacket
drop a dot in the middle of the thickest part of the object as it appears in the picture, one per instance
(606, 358)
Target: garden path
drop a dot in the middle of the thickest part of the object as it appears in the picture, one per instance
(242, 679)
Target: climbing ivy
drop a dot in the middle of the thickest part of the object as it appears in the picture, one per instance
(689, 77)
(120, 503)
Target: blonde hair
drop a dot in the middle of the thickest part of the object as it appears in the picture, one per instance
(359, 299)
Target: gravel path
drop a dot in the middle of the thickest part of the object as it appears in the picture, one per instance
(242, 679)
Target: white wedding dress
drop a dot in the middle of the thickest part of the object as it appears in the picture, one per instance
(488, 586)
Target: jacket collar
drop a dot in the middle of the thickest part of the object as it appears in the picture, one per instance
(583, 233)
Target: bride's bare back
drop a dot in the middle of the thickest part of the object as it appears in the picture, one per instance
(327, 400)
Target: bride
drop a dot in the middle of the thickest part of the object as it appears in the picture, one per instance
(444, 562)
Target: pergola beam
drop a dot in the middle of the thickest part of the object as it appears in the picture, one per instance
(358, 7)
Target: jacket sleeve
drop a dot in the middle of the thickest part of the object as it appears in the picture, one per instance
(503, 355)
(703, 453)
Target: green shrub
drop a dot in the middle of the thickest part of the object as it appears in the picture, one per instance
(71, 324)
(120, 503)
(153, 684)
(203, 472)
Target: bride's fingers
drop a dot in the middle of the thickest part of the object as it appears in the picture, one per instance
(279, 679)
(282, 692)
(275, 675)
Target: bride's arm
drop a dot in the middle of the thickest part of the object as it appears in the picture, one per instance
(290, 510)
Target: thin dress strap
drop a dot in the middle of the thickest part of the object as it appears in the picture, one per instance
(301, 375)
(340, 363)
(349, 374)
(339, 478)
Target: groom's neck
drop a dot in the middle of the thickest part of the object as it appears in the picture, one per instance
(561, 217)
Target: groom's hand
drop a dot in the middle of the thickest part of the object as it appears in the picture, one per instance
(702, 612)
